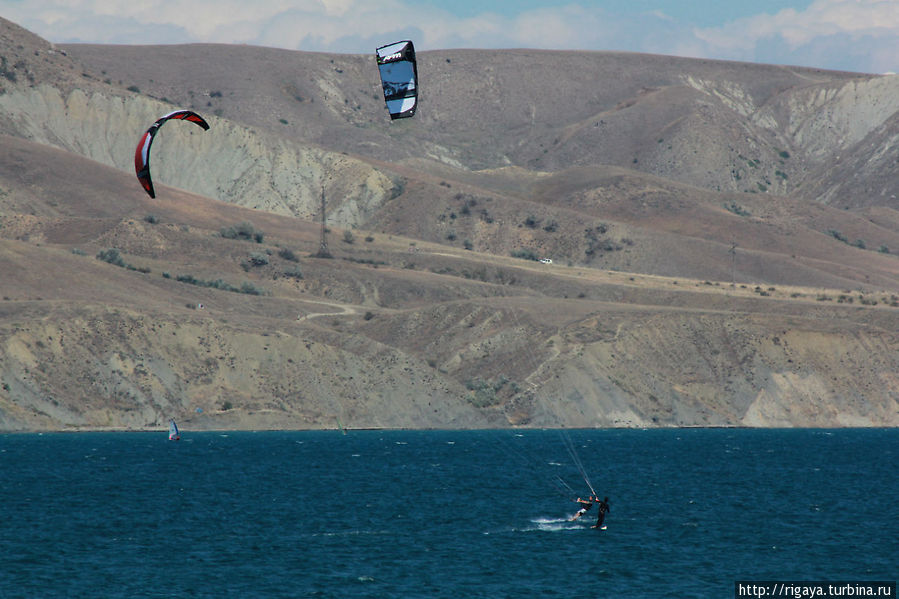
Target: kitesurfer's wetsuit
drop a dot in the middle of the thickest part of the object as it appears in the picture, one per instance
(603, 507)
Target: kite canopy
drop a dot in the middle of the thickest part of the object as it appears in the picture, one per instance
(142, 153)
(399, 77)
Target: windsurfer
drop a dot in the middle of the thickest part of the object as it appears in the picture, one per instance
(585, 504)
(603, 507)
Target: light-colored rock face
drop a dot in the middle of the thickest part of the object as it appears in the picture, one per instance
(125, 370)
(232, 163)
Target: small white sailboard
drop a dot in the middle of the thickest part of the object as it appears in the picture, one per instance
(174, 433)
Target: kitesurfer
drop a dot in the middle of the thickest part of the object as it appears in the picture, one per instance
(603, 507)
(585, 504)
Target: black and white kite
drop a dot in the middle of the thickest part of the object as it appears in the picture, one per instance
(399, 77)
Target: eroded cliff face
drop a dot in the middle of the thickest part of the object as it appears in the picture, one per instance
(716, 370)
(234, 164)
(97, 367)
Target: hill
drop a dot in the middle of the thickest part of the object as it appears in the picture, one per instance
(722, 238)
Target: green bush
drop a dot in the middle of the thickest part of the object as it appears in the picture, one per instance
(737, 209)
(257, 259)
(111, 256)
(294, 273)
(251, 289)
(248, 288)
(244, 231)
(288, 254)
(837, 235)
(525, 254)
(484, 393)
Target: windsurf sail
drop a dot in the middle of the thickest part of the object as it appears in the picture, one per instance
(399, 78)
(174, 434)
(142, 152)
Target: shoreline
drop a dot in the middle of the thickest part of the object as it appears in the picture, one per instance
(161, 430)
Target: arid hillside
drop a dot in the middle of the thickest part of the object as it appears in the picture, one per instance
(722, 238)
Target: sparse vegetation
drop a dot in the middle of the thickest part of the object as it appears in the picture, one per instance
(837, 235)
(737, 209)
(288, 254)
(525, 254)
(370, 261)
(596, 243)
(246, 287)
(255, 260)
(6, 72)
(484, 393)
(251, 289)
(112, 256)
(244, 231)
(293, 272)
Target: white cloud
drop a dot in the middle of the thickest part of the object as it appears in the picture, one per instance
(858, 35)
(864, 33)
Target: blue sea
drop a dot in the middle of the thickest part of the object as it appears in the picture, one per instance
(443, 513)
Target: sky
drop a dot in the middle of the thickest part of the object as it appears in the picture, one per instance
(851, 35)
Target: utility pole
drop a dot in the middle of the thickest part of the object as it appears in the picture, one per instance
(733, 264)
(323, 244)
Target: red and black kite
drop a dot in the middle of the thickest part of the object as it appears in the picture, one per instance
(142, 153)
